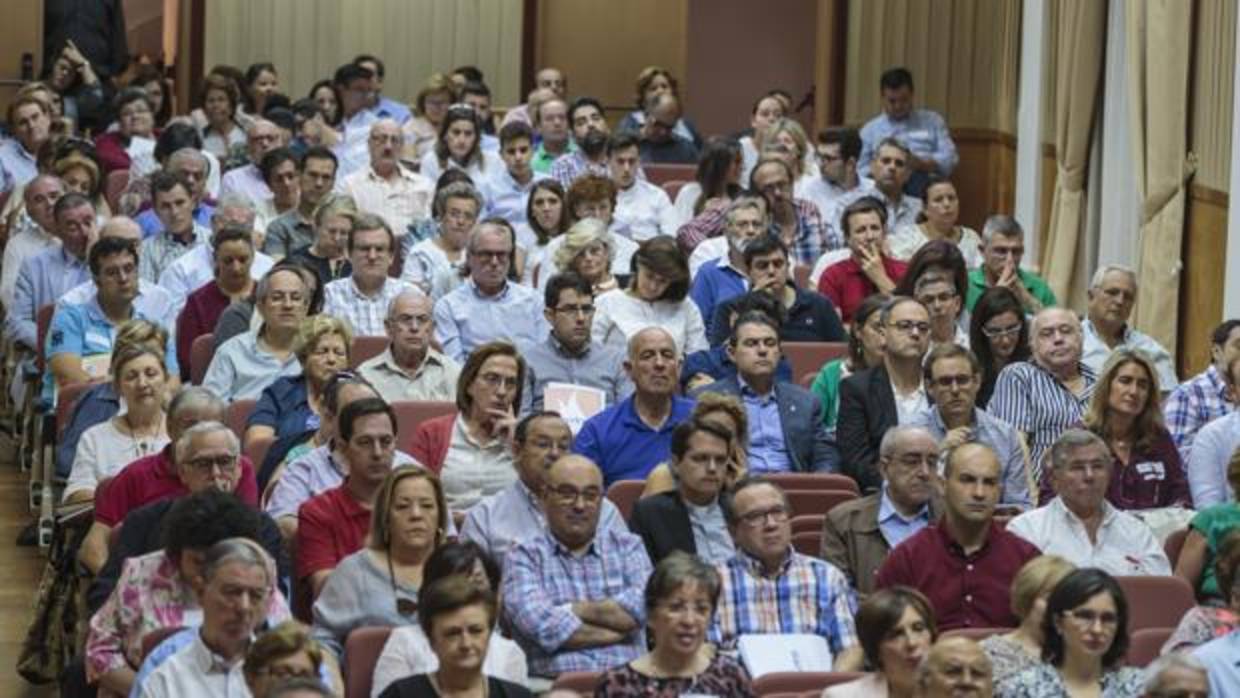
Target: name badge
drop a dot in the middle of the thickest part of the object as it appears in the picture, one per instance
(1151, 470)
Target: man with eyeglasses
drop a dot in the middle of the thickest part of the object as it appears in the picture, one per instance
(796, 222)
(1079, 524)
(771, 589)
(569, 354)
(364, 296)
(574, 593)
(1111, 296)
(1186, 675)
(937, 292)
(1003, 247)
(386, 187)
(723, 278)
(660, 142)
(410, 368)
(838, 149)
(876, 399)
(965, 562)
(490, 305)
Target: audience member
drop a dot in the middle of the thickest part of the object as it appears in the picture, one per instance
(174, 205)
(660, 141)
(383, 107)
(891, 169)
(386, 187)
(295, 229)
(643, 210)
(795, 221)
(724, 277)
(942, 212)
(727, 413)
(1217, 566)
(1021, 648)
(194, 268)
(195, 167)
(245, 365)
(410, 368)
(955, 666)
(461, 145)
(896, 628)
(507, 191)
(546, 219)
(923, 131)
(283, 656)
(363, 297)
(261, 137)
(998, 336)
(328, 254)
(1003, 247)
(1112, 294)
(709, 365)
(589, 250)
(766, 110)
(33, 232)
(131, 145)
(1205, 536)
(430, 106)
(456, 209)
(865, 350)
(1213, 449)
(1206, 396)
(653, 83)
(1176, 675)
(221, 131)
(281, 171)
(30, 118)
(868, 269)
(656, 297)
(839, 185)
(550, 120)
(232, 263)
(590, 132)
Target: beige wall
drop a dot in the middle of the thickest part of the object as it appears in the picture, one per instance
(20, 32)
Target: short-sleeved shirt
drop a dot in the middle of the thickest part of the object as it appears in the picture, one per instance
(240, 370)
(1032, 283)
(1034, 401)
(1214, 524)
(152, 479)
(846, 285)
(623, 446)
(1122, 545)
(330, 527)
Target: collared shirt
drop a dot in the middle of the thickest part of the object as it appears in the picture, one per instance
(1222, 659)
(1001, 438)
(478, 169)
(618, 315)
(391, 109)
(195, 269)
(900, 213)
(343, 299)
(1032, 283)
(1193, 404)
(596, 366)
(910, 406)
(248, 182)
(623, 446)
(1033, 400)
(710, 533)
(1123, 544)
(846, 285)
(717, 281)
(241, 369)
(542, 579)
(768, 453)
(706, 252)
(154, 478)
(1207, 467)
(1096, 352)
(896, 527)
(465, 318)
(473, 469)
(1153, 478)
(806, 595)
(289, 231)
(644, 211)
(401, 200)
(352, 151)
(513, 515)
(312, 474)
(330, 527)
(152, 226)
(966, 590)
(158, 253)
(923, 131)
(425, 262)
(26, 241)
(17, 165)
(44, 278)
(714, 362)
(543, 160)
(573, 164)
(434, 379)
(907, 239)
(197, 671)
(831, 199)
(505, 197)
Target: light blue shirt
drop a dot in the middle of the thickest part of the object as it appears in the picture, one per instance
(240, 370)
(44, 278)
(152, 226)
(923, 131)
(1207, 464)
(767, 451)
(1095, 353)
(895, 527)
(1222, 659)
(504, 197)
(17, 166)
(391, 109)
(465, 319)
(1001, 438)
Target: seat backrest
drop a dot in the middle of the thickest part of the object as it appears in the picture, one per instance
(800, 275)
(800, 681)
(814, 481)
(200, 352)
(256, 450)
(1156, 602)
(361, 653)
(624, 494)
(1174, 544)
(582, 682)
(66, 400)
(1145, 645)
(411, 413)
(659, 173)
(152, 639)
(975, 634)
(808, 542)
(820, 502)
(237, 415)
(365, 348)
(807, 522)
(807, 357)
(113, 186)
(42, 321)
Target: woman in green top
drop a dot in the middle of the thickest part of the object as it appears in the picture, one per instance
(1205, 534)
(865, 349)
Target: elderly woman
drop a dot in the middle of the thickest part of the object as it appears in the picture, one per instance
(1203, 548)
(223, 136)
(998, 335)
(942, 210)
(460, 145)
(725, 412)
(865, 350)
(232, 257)
(249, 362)
(1084, 637)
(328, 255)
(456, 207)
(896, 628)
(288, 410)
(140, 379)
(469, 450)
(1017, 650)
(408, 650)
(681, 596)
(547, 219)
(1204, 623)
(378, 585)
(657, 296)
(430, 108)
(132, 145)
(282, 653)
(588, 249)
(77, 165)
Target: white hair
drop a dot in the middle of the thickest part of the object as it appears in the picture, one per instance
(1101, 275)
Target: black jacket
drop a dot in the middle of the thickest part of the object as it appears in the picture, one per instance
(867, 411)
(662, 521)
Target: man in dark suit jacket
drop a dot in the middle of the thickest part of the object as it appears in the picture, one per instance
(689, 518)
(786, 432)
(876, 399)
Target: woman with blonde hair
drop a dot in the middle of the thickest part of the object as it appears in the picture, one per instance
(284, 652)
(791, 135)
(588, 250)
(1017, 650)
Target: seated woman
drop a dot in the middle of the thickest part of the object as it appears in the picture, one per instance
(289, 410)
(408, 650)
(998, 335)
(942, 211)
(378, 585)
(77, 165)
(282, 653)
(865, 350)
(896, 627)
(140, 379)
(1205, 622)
(588, 249)
(594, 196)
(1020, 649)
(868, 269)
(681, 596)
(469, 450)
(1204, 545)
(132, 145)
(726, 412)
(938, 279)
(232, 256)
(456, 208)
(657, 296)
(1085, 635)
(249, 362)
(546, 219)
(717, 179)
(222, 135)
(328, 255)
(460, 145)
(430, 106)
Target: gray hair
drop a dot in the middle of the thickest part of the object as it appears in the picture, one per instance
(1101, 274)
(203, 428)
(487, 225)
(233, 202)
(1036, 322)
(458, 190)
(196, 397)
(632, 344)
(1001, 224)
(408, 293)
(184, 153)
(742, 203)
(1071, 440)
(264, 284)
(1175, 660)
(892, 437)
(893, 142)
(242, 550)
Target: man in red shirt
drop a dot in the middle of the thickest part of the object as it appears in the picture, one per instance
(868, 269)
(965, 563)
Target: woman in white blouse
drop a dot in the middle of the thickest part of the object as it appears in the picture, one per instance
(942, 211)
(460, 146)
(140, 378)
(656, 297)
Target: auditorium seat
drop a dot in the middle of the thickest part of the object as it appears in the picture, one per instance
(237, 415)
(200, 352)
(820, 502)
(814, 481)
(808, 542)
(810, 357)
(800, 681)
(366, 347)
(1145, 645)
(1156, 602)
(361, 652)
(807, 522)
(624, 494)
(1174, 544)
(411, 413)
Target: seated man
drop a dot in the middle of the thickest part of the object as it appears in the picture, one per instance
(875, 399)
(1112, 294)
(384, 186)
(660, 143)
(952, 377)
(868, 268)
(194, 167)
(891, 169)
(32, 233)
(1185, 674)
(507, 191)
(924, 131)
(956, 666)
(590, 132)
(488, 306)
(294, 229)
(174, 204)
(1206, 396)
(574, 593)
(1219, 658)
(643, 210)
(1213, 449)
(839, 183)
(410, 368)
(569, 354)
(515, 514)
(1079, 524)
(628, 439)
(261, 137)
(194, 269)
(723, 278)
(709, 365)
(965, 562)
(770, 588)
(857, 535)
(363, 297)
(1003, 246)
(786, 433)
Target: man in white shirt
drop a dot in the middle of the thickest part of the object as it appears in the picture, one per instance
(838, 149)
(354, 84)
(261, 138)
(1079, 524)
(387, 188)
(643, 210)
(32, 233)
(1112, 294)
(192, 270)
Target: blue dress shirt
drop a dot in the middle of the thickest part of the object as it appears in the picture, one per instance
(623, 446)
(715, 363)
(44, 278)
(717, 281)
(152, 226)
(895, 527)
(767, 451)
(1222, 659)
(465, 319)
(923, 131)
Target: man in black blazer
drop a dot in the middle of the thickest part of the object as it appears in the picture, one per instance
(689, 518)
(876, 399)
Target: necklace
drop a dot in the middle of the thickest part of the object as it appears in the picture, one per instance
(140, 445)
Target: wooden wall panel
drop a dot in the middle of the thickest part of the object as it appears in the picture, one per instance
(986, 176)
(20, 32)
(1205, 236)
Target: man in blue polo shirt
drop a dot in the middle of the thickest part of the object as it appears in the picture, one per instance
(630, 438)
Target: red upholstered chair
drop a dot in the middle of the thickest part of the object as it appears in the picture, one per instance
(814, 481)
(810, 357)
(668, 172)
(361, 652)
(411, 413)
(42, 321)
(816, 501)
(200, 352)
(1145, 645)
(1174, 544)
(800, 681)
(975, 634)
(807, 522)
(582, 682)
(1156, 602)
(624, 494)
(365, 348)
(237, 415)
(808, 542)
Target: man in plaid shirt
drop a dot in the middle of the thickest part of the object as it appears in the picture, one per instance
(1207, 395)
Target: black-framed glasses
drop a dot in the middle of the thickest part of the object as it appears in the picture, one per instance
(778, 514)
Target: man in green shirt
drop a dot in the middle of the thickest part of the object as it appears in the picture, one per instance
(550, 119)
(1003, 245)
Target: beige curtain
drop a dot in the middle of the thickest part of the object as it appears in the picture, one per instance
(1080, 37)
(1159, 38)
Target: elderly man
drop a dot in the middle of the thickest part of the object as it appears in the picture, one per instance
(922, 131)
(628, 439)
(723, 278)
(643, 210)
(590, 132)
(1112, 294)
(194, 168)
(30, 120)
(1048, 394)
(875, 399)
(174, 204)
(488, 306)
(965, 562)
(363, 298)
(548, 81)
(386, 187)
(410, 368)
(1206, 396)
(769, 588)
(837, 151)
(1187, 675)
(952, 376)
(515, 514)
(1003, 247)
(569, 354)
(261, 138)
(858, 535)
(890, 171)
(956, 667)
(33, 232)
(575, 591)
(197, 267)
(1212, 452)
(554, 136)
(1079, 524)
(245, 364)
(294, 229)
(660, 142)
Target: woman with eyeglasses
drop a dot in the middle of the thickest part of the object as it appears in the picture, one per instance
(378, 585)
(456, 209)
(460, 145)
(1084, 637)
(282, 653)
(132, 145)
(469, 450)
(998, 335)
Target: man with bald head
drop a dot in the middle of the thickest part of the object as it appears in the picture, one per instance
(194, 168)
(630, 438)
(964, 563)
(574, 592)
(261, 138)
(410, 368)
(387, 188)
(956, 667)
(33, 231)
(659, 141)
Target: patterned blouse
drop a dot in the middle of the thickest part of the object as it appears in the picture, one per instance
(1200, 625)
(1043, 681)
(1007, 657)
(722, 677)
